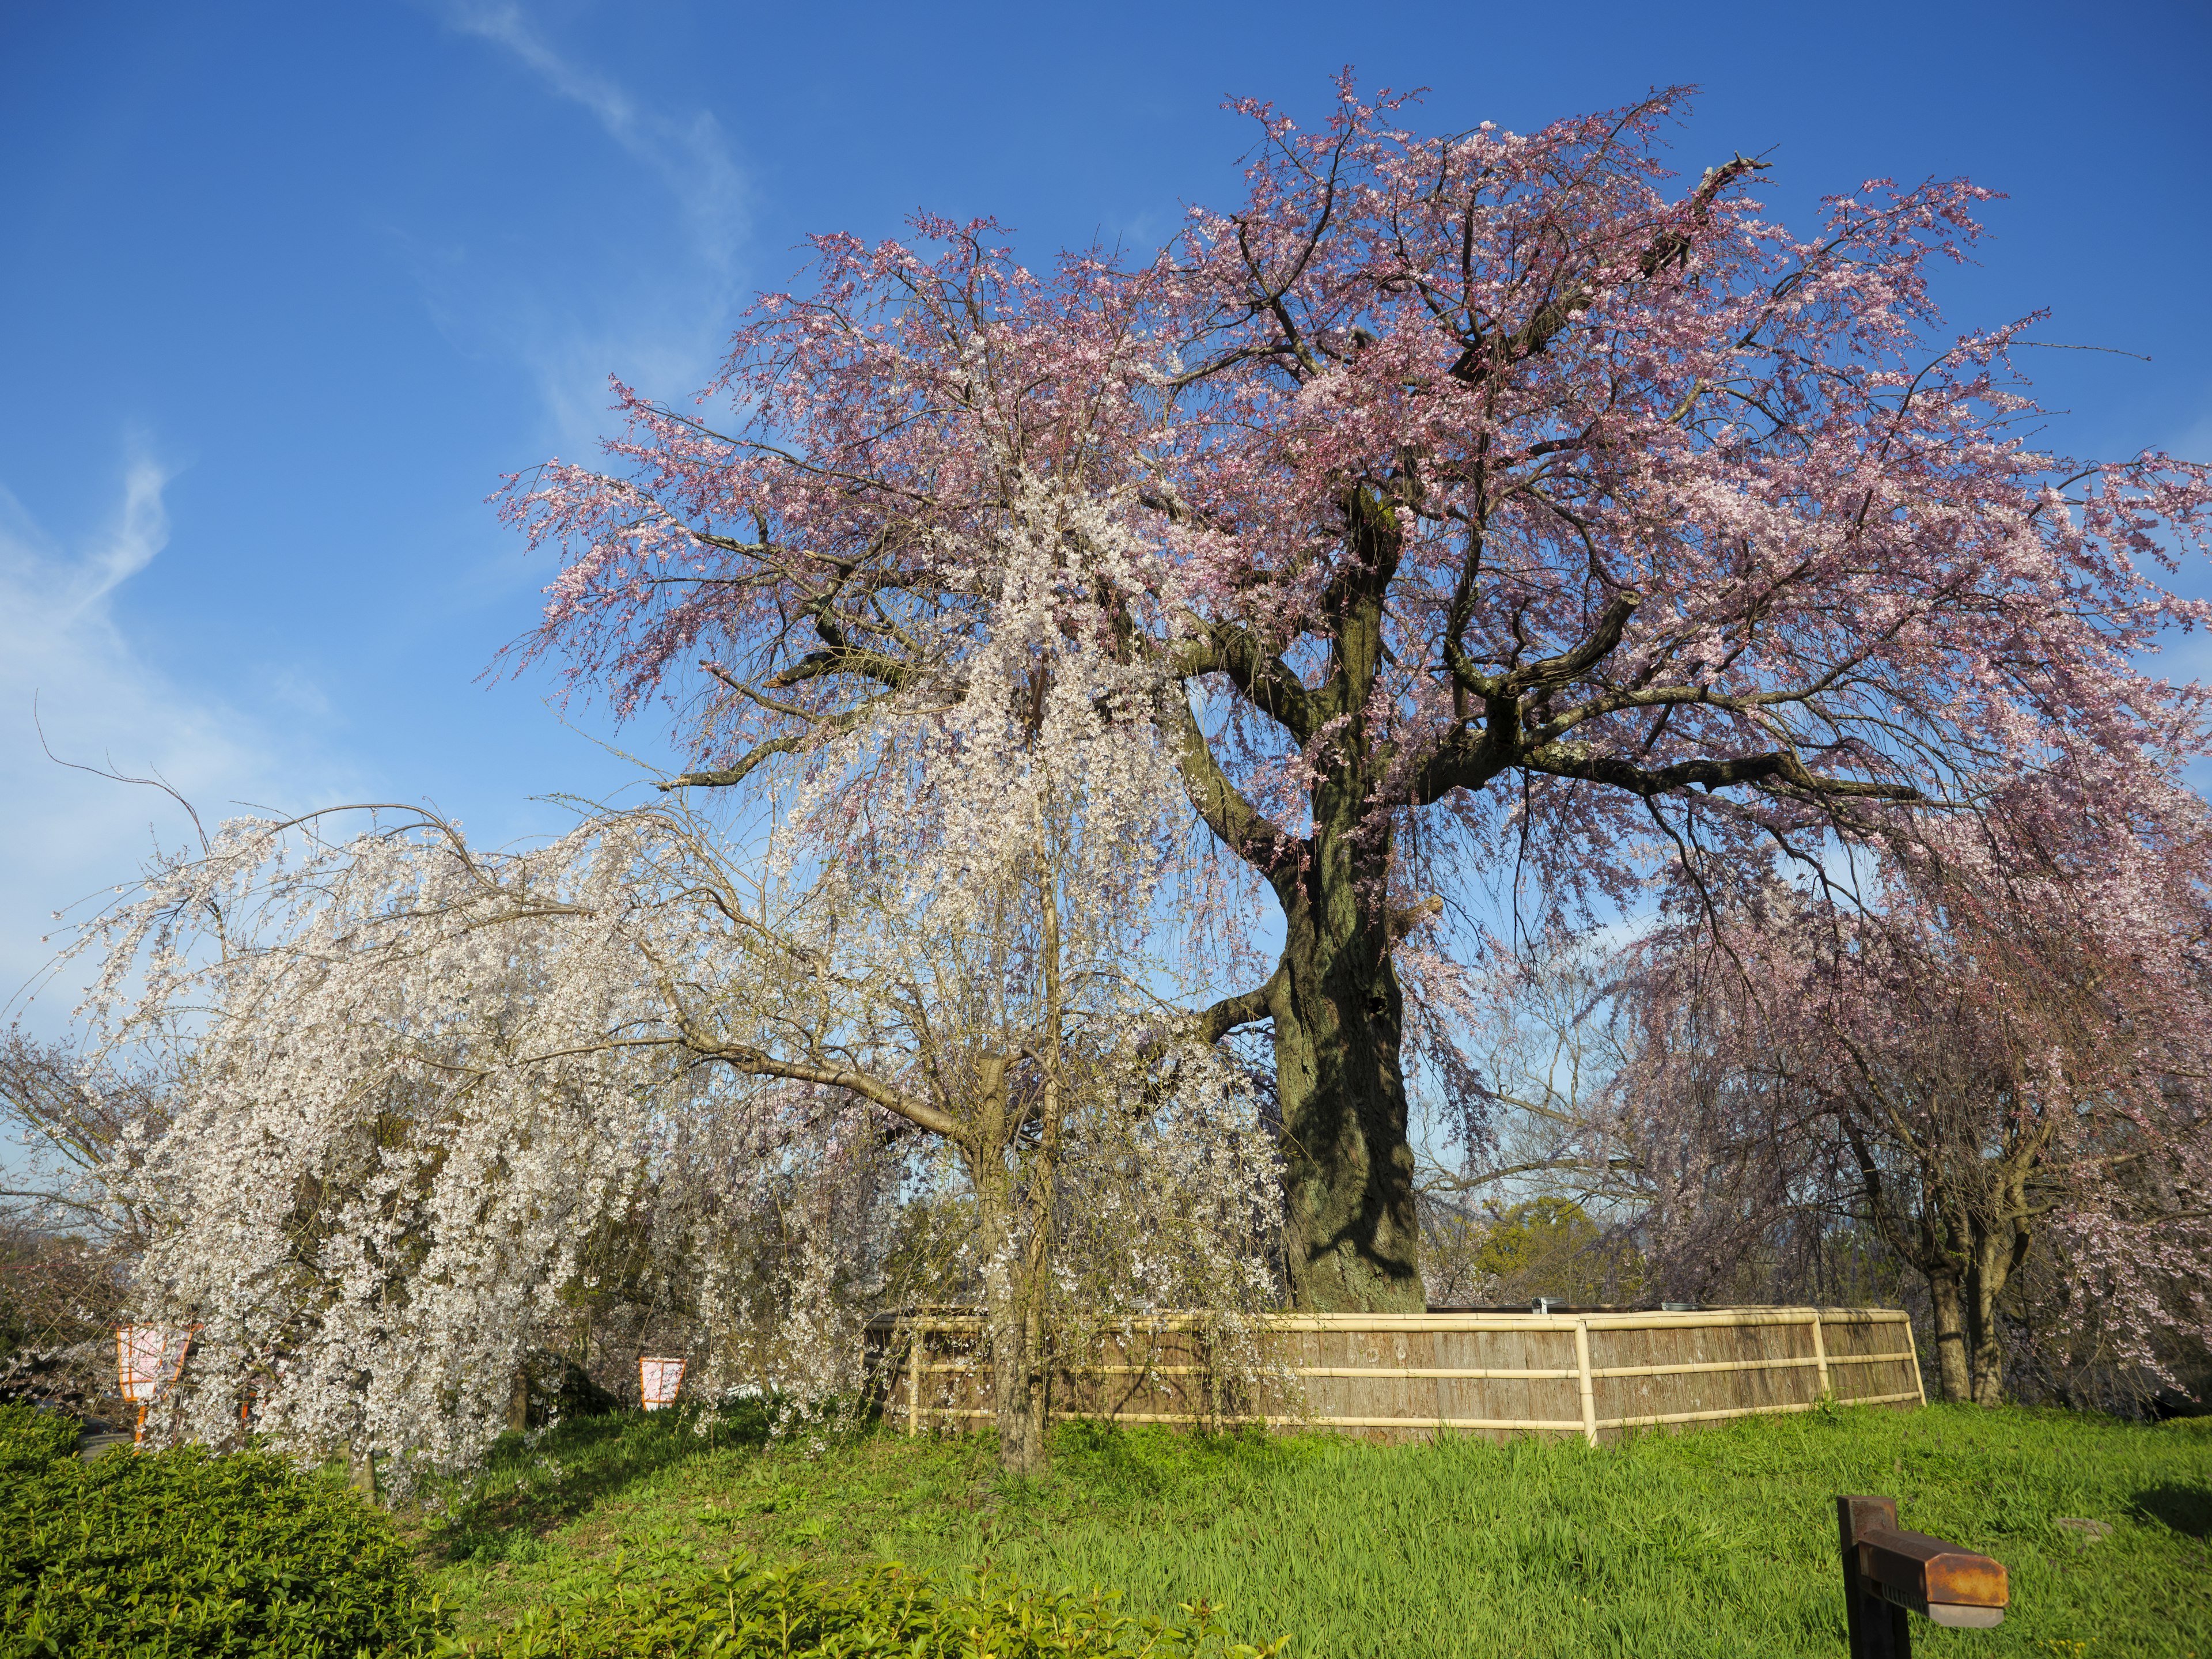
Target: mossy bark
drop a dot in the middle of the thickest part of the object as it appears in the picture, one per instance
(1351, 1232)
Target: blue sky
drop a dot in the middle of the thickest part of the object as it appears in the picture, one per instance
(290, 287)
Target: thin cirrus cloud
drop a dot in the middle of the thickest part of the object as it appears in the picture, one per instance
(100, 703)
(690, 154)
(661, 320)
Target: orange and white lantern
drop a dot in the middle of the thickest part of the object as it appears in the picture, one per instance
(141, 1361)
(658, 1380)
(148, 1359)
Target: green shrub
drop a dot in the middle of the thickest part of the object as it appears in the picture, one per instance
(175, 1554)
(30, 1439)
(745, 1611)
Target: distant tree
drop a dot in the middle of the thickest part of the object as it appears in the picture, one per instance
(1546, 1245)
(2001, 1048)
(1480, 507)
(68, 1122)
(69, 1238)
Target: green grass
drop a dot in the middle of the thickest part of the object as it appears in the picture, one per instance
(1720, 1542)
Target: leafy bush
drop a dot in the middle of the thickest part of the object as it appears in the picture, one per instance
(30, 1439)
(175, 1554)
(745, 1611)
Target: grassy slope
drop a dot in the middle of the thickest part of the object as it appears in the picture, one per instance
(1715, 1543)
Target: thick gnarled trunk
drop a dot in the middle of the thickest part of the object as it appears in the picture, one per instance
(1351, 1233)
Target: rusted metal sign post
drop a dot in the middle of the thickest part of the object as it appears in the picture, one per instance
(1890, 1574)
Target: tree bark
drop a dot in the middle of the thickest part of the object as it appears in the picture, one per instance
(1987, 1376)
(1352, 1233)
(1947, 1294)
(1010, 1325)
(1997, 1256)
(1349, 1219)
(361, 1473)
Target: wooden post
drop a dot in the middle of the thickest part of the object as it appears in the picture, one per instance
(1582, 1376)
(1912, 1347)
(1436, 1353)
(1878, 1631)
(1820, 1352)
(914, 1347)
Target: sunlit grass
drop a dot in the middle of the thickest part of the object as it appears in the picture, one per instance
(1721, 1542)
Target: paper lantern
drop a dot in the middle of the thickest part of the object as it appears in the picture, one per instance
(141, 1361)
(658, 1380)
(148, 1359)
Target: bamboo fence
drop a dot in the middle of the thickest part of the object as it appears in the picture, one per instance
(1401, 1376)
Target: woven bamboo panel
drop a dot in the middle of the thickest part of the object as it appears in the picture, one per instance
(1406, 1376)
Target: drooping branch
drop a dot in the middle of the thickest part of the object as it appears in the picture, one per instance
(753, 1061)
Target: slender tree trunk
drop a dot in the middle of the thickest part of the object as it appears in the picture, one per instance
(1947, 1293)
(361, 1473)
(1987, 1387)
(1352, 1233)
(1016, 1386)
(1016, 1394)
(1997, 1256)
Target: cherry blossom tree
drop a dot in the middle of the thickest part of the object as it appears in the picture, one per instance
(1498, 510)
(63, 1123)
(422, 1080)
(2000, 1049)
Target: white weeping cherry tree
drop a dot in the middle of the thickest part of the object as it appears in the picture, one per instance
(420, 1077)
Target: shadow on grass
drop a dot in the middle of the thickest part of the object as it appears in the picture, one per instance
(2185, 1509)
(527, 1488)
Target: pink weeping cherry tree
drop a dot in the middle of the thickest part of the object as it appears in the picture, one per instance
(1509, 509)
(1994, 1056)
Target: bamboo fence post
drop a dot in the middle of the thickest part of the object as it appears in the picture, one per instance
(1820, 1353)
(914, 1347)
(1912, 1346)
(1583, 1377)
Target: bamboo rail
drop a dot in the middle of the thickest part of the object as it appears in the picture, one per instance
(1597, 1374)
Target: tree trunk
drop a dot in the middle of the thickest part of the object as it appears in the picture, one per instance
(1016, 1390)
(1997, 1256)
(1952, 1372)
(361, 1473)
(1352, 1232)
(1016, 1383)
(1988, 1369)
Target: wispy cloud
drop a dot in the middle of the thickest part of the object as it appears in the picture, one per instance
(655, 310)
(690, 152)
(72, 681)
(141, 529)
